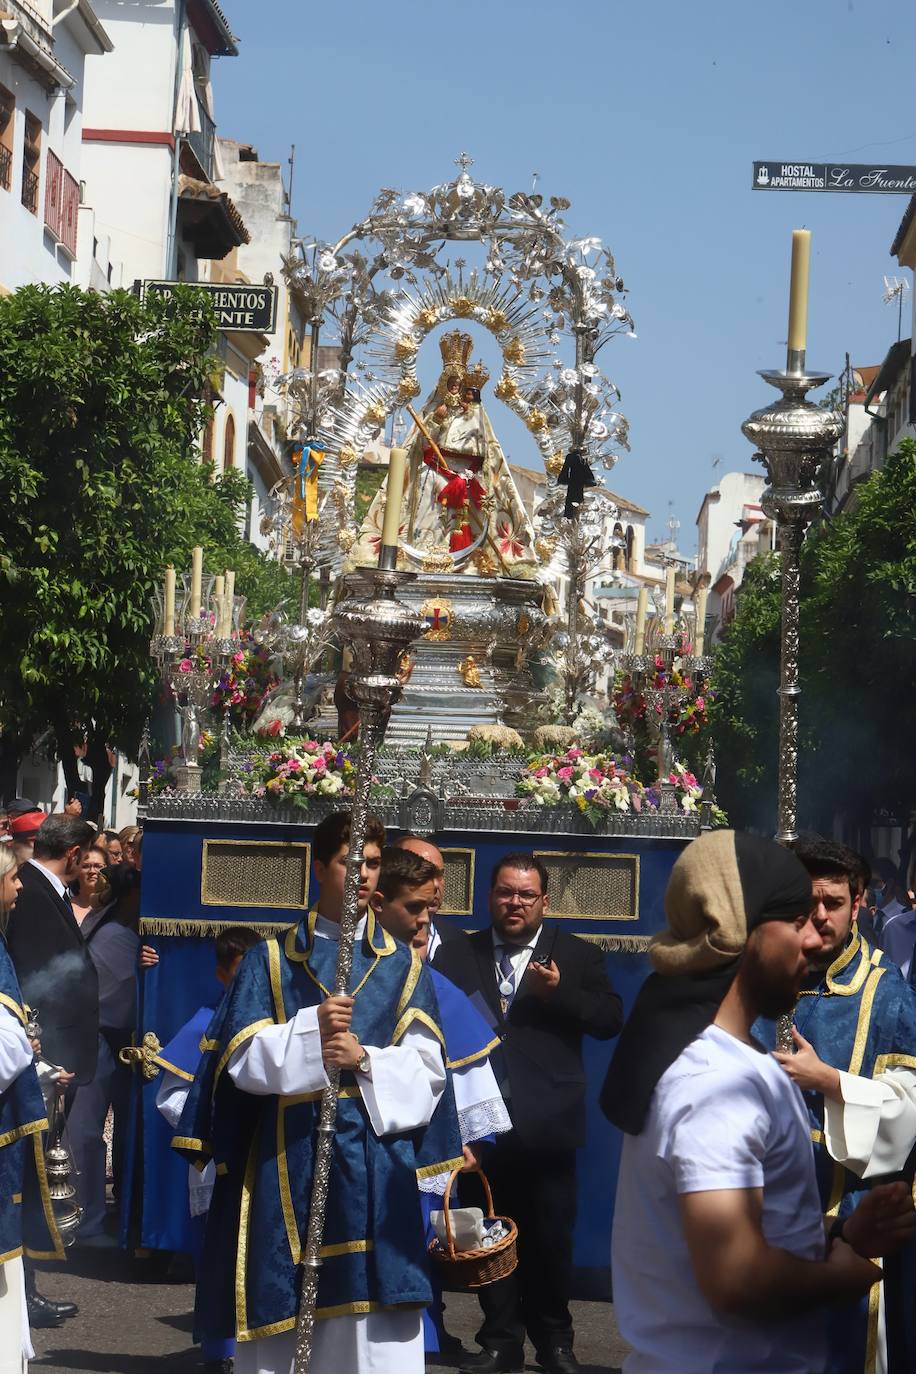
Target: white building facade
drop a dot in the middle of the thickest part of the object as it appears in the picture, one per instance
(45, 232)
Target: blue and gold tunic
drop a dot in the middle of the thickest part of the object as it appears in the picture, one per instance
(860, 1017)
(374, 1252)
(26, 1215)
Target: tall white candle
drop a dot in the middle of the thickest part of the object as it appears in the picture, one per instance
(669, 601)
(700, 636)
(798, 289)
(642, 602)
(168, 619)
(397, 467)
(197, 572)
(230, 601)
(219, 604)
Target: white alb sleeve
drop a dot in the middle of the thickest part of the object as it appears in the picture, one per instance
(282, 1060)
(481, 1109)
(871, 1132)
(15, 1051)
(404, 1083)
(171, 1095)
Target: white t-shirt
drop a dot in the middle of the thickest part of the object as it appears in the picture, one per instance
(724, 1115)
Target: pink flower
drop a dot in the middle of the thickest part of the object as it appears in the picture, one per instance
(565, 774)
(700, 704)
(320, 765)
(595, 773)
(185, 666)
(574, 753)
(541, 772)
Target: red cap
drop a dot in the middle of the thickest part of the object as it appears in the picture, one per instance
(26, 824)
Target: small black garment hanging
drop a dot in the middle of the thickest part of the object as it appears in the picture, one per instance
(575, 476)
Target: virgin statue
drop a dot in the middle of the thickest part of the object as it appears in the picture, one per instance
(461, 509)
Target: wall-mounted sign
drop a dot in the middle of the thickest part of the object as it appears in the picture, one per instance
(828, 176)
(252, 309)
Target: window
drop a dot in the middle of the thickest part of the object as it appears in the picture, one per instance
(7, 108)
(229, 444)
(31, 157)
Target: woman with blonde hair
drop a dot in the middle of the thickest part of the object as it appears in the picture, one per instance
(24, 1226)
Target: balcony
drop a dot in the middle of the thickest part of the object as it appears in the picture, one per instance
(6, 168)
(201, 141)
(30, 191)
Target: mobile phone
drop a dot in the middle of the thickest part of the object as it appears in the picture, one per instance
(542, 960)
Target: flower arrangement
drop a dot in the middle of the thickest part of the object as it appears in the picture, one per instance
(595, 783)
(244, 685)
(599, 783)
(302, 770)
(630, 704)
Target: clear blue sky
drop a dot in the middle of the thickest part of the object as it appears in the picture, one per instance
(647, 116)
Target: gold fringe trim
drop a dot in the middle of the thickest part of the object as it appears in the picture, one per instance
(619, 944)
(472, 1058)
(156, 925)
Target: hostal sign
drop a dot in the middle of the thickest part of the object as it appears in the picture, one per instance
(237, 304)
(826, 176)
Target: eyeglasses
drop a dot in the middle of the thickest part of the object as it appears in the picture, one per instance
(508, 894)
(91, 868)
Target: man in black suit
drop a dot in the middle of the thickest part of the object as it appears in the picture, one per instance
(441, 933)
(544, 990)
(58, 979)
(46, 945)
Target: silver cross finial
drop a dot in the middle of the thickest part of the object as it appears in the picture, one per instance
(464, 161)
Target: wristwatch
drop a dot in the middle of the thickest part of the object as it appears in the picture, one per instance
(363, 1063)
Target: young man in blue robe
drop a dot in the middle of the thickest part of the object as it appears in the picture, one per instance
(408, 889)
(179, 1060)
(27, 1225)
(855, 1062)
(253, 1109)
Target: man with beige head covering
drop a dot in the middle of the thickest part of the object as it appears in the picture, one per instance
(720, 1258)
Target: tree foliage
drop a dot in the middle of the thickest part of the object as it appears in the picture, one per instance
(857, 663)
(101, 405)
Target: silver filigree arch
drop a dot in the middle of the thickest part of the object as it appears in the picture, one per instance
(550, 289)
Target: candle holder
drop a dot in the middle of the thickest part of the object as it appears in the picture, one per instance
(378, 629)
(665, 698)
(793, 437)
(191, 663)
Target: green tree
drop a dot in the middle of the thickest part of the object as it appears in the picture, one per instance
(857, 666)
(101, 405)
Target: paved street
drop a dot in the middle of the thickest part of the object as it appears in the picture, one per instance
(132, 1321)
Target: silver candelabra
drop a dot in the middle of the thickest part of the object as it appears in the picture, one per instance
(793, 437)
(665, 698)
(192, 660)
(377, 628)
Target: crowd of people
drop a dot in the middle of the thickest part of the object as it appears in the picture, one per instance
(764, 1082)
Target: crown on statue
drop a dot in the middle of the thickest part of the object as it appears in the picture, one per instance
(455, 349)
(477, 377)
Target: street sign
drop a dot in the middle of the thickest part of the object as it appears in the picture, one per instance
(250, 309)
(828, 176)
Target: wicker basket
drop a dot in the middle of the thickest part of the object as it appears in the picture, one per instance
(478, 1267)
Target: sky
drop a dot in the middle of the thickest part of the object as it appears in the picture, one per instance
(647, 116)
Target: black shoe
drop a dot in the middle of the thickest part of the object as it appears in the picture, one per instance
(63, 1309)
(449, 1344)
(43, 1314)
(511, 1361)
(560, 1360)
(217, 1366)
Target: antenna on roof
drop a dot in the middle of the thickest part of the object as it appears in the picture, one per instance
(895, 288)
(292, 167)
